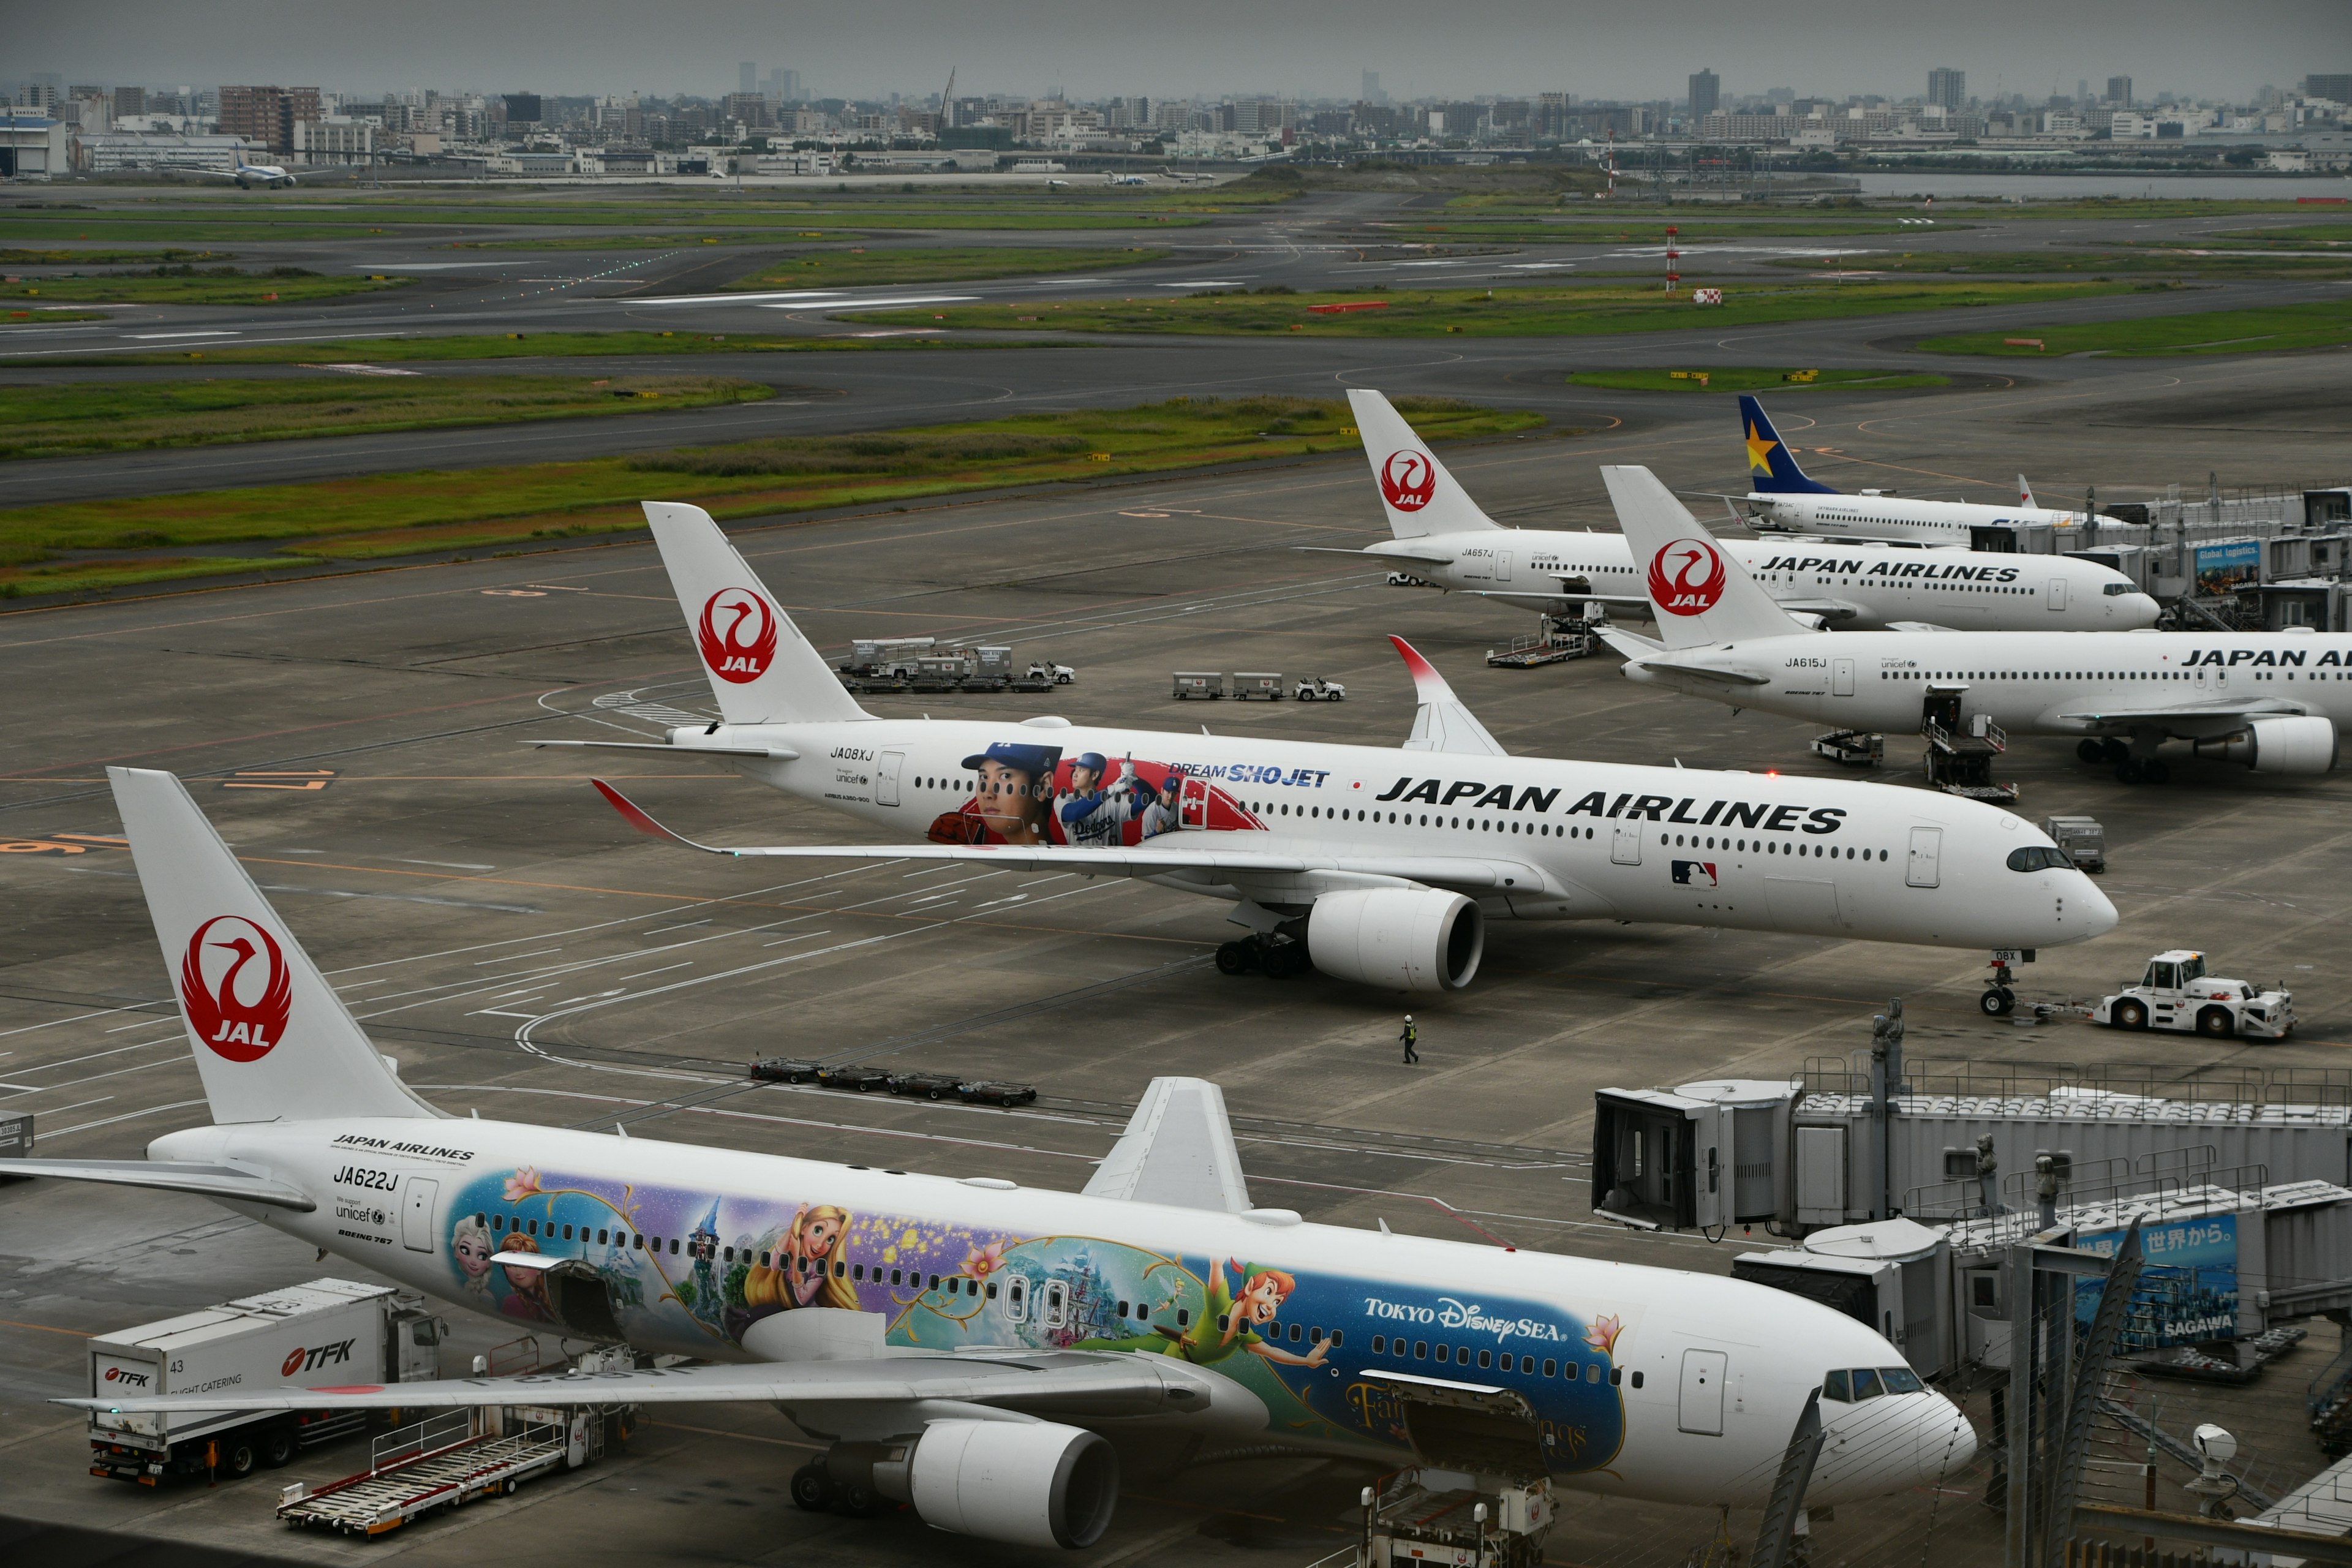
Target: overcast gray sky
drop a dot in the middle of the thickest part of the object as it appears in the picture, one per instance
(1623, 49)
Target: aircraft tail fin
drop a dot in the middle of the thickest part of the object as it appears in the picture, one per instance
(1771, 466)
(761, 670)
(1701, 593)
(1419, 496)
(272, 1040)
(2025, 492)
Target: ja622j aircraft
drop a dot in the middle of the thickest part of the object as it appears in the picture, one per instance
(1378, 864)
(2272, 701)
(964, 1344)
(1785, 500)
(1442, 538)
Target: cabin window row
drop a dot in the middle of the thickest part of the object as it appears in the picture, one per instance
(1765, 846)
(1496, 1361)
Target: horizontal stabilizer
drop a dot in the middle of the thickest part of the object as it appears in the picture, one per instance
(161, 1175)
(1178, 1149)
(766, 753)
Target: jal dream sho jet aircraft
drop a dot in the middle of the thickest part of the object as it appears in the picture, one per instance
(2272, 700)
(1786, 500)
(964, 1345)
(1443, 538)
(1379, 865)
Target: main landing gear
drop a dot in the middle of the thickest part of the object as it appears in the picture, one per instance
(814, 1489)
(2128, 768)
(1278, 957)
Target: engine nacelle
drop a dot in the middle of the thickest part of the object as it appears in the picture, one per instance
(1025, 1483)
(2290, 744)
(1402, 939)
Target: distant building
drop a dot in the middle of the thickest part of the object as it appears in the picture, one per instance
(1947, 88)
(264, 116)
(2335, 87)
(750, 107)
(1372, 93)
(130, 100)
(1706, 93)
(2119, 91)
(32, 145)
(336, 141)
(747, 77)
(522, 108)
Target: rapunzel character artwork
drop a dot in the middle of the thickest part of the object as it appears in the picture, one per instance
(797, 1269)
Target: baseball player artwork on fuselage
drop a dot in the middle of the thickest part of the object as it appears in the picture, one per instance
(1027, 793)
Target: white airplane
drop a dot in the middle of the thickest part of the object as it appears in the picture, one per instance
(2272, 700)
(1787, 500)
(1127, 179)
(1442, 538)
(965, 1345)
(1378, 864)
(267, 175)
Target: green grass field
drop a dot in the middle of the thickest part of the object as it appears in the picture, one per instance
(2293, 235)
(2154, 261)
(2321, 326)
(375, 516)
(1746, 378)
(1575, 228)
(225, 286)
(1500, 312)
(511, 345)
(45, 421)
(19, 258)
(872, 268)
(40, 318)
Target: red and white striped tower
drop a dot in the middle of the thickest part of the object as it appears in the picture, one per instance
(1672, 256)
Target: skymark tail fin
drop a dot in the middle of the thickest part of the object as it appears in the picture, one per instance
(1771, 466)
(1419, 496)
(761, 670)
(1701, 593)
(272, 1040)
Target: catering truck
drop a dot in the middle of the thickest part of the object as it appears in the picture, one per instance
(328, 1333)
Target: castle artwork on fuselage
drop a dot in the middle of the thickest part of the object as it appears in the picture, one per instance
(1031, 794)
(690, 1274)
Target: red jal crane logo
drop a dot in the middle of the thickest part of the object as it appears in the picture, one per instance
(1408, 481)
(1686, 577)
(214, 991)
(738, 635)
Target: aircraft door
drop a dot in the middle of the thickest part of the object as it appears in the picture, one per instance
(1625, 844)
(1058, 1305)
(1700, 1408)
(1193, 804)
(1923, 869)
(2057, 596)
(416, 1214)
(1502, 566)
(886, 777)
(1841, 678)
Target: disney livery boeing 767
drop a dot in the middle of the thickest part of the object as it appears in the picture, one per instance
(1443, 539)
(969, 1346)
(1379, 865)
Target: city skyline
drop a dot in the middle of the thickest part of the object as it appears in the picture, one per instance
(1502, 48)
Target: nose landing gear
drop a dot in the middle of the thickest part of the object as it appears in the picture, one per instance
(2000, 998)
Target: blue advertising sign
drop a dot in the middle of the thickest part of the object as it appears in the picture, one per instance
(2229, 565)
(2188, 1286)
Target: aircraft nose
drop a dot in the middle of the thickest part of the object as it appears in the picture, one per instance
(2145, 611)
(2092, 907)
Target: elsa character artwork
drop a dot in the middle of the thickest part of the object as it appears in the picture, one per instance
(526, 1295)
(472, 1248)
(802, 1268)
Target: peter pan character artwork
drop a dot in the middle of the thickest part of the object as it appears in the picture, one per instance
(1228, 1322)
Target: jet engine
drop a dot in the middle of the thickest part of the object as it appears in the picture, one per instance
(1025, 1483)
(1402, 939)
(2298, 744)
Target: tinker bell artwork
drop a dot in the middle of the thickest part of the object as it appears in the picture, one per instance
(692, 1274)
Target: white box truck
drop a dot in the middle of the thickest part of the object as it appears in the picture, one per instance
(328, 1333)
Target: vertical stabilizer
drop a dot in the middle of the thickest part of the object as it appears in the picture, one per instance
(1419, 496)
(1699, 591)
(2025, 493)
(1178, 1149)
(272, 1040)
(1772, 465)
(761, 670)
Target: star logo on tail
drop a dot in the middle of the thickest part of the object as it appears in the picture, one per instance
(1759, 451)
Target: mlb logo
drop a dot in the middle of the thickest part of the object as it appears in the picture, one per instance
(1695, 873)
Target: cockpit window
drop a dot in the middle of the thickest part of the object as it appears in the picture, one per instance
(2117, 590)
(1837, 1386)
(2040, 857)
(1901, 1380)
(1866, 1384)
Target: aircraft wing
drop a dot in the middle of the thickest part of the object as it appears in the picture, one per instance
(1146, 860)
(765, 753)
(1397, 550)
(1178, 1149)
(1066, 1382)
(170, 1176)
(1915, 626)
(2224, 707)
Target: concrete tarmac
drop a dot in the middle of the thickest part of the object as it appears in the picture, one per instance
(362, 742)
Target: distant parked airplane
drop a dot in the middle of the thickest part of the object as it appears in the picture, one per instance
(245, 175)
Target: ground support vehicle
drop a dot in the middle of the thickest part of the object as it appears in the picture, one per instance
(913, 1083)
(2177, 993)
(1959, 759)
(1257, 683)
(1049, 672)
(1856, 748)
(1315, 689)
(1202, 683)
(985, 1091)
(1555, 638)
(2084, 841)
(452, 1459)
(325, 1333)
(786, 1070)
(854, 1075)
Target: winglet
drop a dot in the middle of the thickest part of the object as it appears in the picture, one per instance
(635, 816)
(1441, 722)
